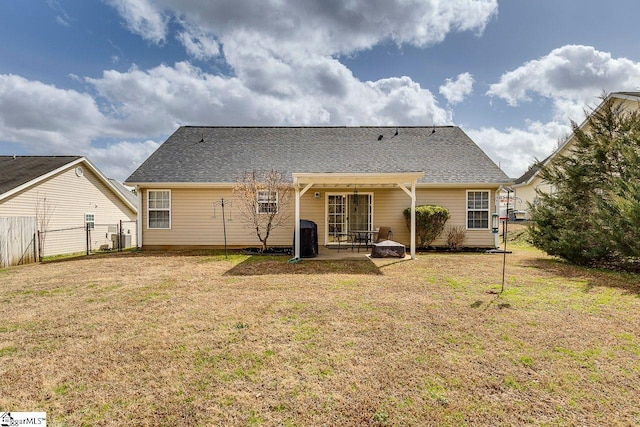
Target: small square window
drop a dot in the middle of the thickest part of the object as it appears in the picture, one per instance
(267, 202)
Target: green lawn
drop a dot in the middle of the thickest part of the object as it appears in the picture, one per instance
(194, 339)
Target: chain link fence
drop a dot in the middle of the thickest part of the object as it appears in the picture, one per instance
(90, 238)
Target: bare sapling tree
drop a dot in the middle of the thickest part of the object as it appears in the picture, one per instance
(264, 197)
(44, 211)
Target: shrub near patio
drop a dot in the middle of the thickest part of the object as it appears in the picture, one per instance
(197, 339)
(430, 222)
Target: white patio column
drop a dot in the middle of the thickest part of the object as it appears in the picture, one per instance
(297, 224)
(413, 219)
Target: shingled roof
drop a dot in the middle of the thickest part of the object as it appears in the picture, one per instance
(19, 170)
(221, 154)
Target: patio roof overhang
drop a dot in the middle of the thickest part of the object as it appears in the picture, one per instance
(346, 179)
(406, 181)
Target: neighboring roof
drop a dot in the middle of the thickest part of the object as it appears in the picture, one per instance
(18, 173)
(221, 154)
(532, 172)
(131, 197)
(631, 95)
(19, 170)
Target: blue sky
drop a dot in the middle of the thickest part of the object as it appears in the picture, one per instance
(112, 79)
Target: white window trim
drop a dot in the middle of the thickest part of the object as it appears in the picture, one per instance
(168, 209)
(467, 210)
(260, 203)
(93, 222)
(346, 213)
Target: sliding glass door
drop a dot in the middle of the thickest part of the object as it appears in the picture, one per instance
(348, 212)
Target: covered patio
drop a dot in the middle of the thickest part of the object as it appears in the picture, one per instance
(345, 254)
(405, 181)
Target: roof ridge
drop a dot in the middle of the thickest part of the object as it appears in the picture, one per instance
(318, 127)
(44, 157)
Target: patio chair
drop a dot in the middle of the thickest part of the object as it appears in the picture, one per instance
(384, 233)
(340, 237)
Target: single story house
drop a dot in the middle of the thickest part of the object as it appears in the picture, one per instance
(525, 186)
(65, 194)
(343, 177)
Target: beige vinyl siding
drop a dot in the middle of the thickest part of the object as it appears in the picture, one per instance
(192, 222)
(526, 194)
(455, 200)
(70, 198)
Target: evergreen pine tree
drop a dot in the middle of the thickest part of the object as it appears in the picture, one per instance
(593, 213)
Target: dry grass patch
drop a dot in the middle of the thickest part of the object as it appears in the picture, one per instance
(197, 339)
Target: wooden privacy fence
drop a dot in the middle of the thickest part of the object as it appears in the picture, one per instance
(17, 241)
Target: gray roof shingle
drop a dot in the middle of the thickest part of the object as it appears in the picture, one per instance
(18, 170)
(128, 194)
(222, 154)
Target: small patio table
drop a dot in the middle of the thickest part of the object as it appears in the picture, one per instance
(360, 236)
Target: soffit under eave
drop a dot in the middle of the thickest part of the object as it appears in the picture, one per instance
(353, 179)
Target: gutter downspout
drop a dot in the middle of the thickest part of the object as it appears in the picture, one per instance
(496, 208)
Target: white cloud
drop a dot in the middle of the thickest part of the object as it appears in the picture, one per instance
(199, 45)
(280, 52)
(322, 27)
(63, 17)
(43, 116)
(456, 90)
(119, 159)
(322, 91)
(48, 121)
(516, 149)
(284, 71)
(573, 76)
(144, 18)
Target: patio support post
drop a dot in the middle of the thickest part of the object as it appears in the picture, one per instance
(299, 193)
(296, 243)
(412, 194)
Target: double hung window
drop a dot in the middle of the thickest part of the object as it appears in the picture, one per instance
(477, 210)
(159, 209)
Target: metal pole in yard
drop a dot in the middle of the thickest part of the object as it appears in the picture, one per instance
(224, 228)
(504, 258)
(224, 223)
(120, 236)
(36, 246)
(88, 238)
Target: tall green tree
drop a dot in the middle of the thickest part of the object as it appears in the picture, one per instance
(592, 214)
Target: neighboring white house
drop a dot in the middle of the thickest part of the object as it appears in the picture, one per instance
(526, 185)
(66, 194)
